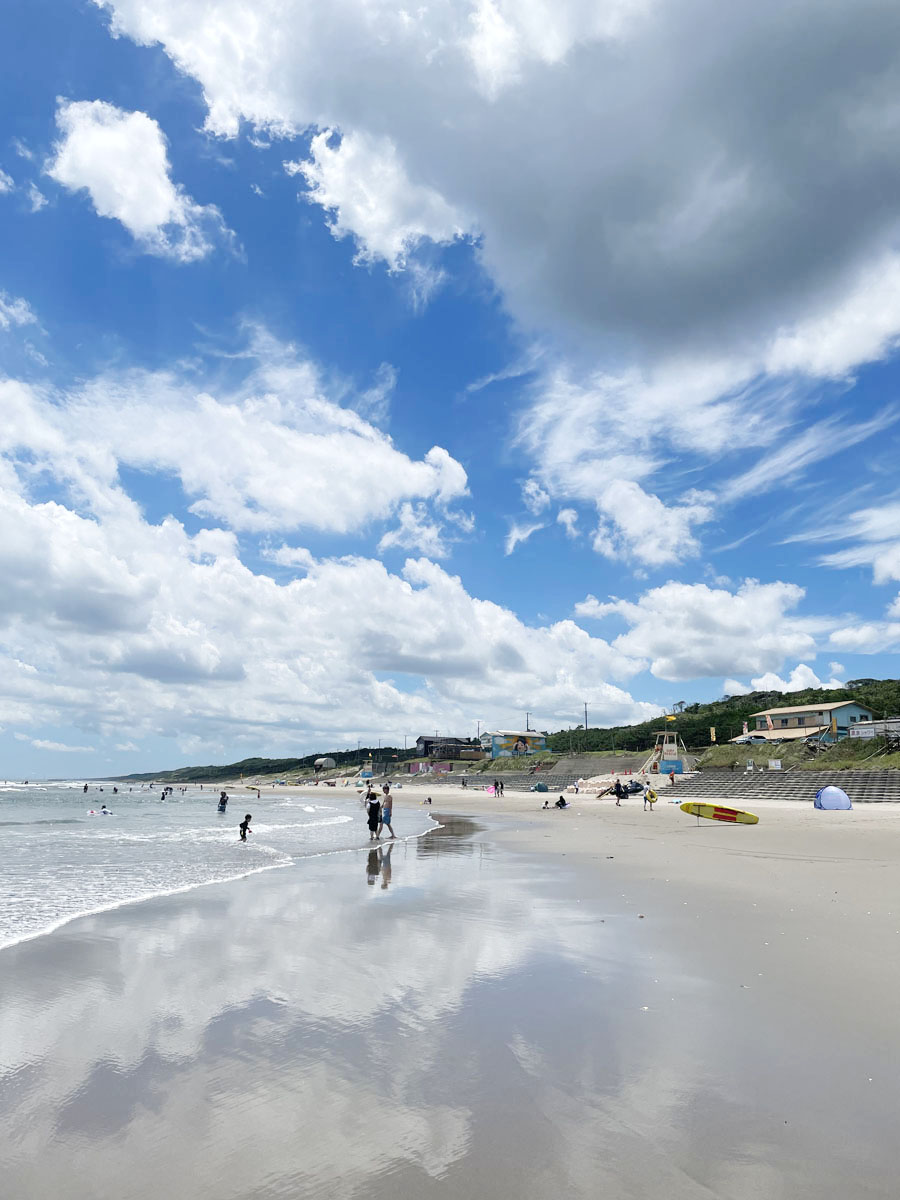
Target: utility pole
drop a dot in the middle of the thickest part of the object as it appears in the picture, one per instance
(527, 726)
(585, 716)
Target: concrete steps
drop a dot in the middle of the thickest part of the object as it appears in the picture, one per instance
(863, 787)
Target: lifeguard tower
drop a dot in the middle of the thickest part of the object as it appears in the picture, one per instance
(669, 754)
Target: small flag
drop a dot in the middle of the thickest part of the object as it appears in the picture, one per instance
(770, 724)
(712, 733)
(670, 718)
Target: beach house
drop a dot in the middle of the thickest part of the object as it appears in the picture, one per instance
(824, 722)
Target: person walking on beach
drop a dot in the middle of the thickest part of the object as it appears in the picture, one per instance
(373, 809)
(650, 797)
(619, 793)
(244, 827)
(387, 807)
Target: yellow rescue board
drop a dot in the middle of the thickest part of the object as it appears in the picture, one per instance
(715, 812)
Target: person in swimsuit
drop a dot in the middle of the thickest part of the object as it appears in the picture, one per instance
(387, 807)
(244, 827)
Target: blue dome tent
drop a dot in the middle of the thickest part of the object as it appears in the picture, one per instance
(832, 797)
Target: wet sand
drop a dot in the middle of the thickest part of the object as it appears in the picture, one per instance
(523, 1003)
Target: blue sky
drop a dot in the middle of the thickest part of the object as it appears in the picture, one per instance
(368, 372)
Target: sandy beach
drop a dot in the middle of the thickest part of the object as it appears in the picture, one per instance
(521, 1003)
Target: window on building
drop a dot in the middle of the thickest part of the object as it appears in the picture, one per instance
(783, 721)
(801, 720)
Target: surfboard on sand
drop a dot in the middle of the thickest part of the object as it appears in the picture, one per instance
(716, 812)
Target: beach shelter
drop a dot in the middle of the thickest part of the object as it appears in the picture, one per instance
(832, 797)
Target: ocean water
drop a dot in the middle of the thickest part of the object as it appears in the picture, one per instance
(59, 862)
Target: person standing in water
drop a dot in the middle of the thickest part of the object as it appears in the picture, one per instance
(244, 827)
(373, 809)
(387, 807)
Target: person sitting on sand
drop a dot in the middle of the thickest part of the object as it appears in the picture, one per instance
(546, 805)
(561, 803)
(244, 827)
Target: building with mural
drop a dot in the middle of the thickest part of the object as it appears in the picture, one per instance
(506, 743)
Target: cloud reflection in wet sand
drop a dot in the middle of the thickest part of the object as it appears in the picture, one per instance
(471, 1026)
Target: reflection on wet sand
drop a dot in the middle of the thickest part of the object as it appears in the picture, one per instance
(442, 1031)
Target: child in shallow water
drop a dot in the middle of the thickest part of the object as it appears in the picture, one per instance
(244, 827)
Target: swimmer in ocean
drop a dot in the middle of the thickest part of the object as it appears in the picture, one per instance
(244, 827)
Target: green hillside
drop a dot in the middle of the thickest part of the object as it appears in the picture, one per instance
(727, 715)
(274, 766)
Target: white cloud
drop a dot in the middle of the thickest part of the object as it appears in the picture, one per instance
(36, 198)
(534, 497)
(684, 258)
(520, 532)
(363, 183)
(875, 534)
(7, 183)
(172, 635)
(705, 229)
(800, 678)
(691, 630)
(416, 531)
(289, 556)
(568, 518)
(120, 158)
(636, 525)
(818, 442)
(60, 747)
(15, 311)
(275, 453)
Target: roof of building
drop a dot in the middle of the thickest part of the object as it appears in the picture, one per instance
(427, 737)
(807, 708)
(513, 733)
(783, 735)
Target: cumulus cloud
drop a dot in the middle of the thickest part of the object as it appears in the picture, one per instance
(277, 452)
(120, 158)
(361, 181)
(7, 183)
(800, 679)
(692, 630)
(289, 556)
(172, 635)
(416, 531)
(706, 227)
(679, 270)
